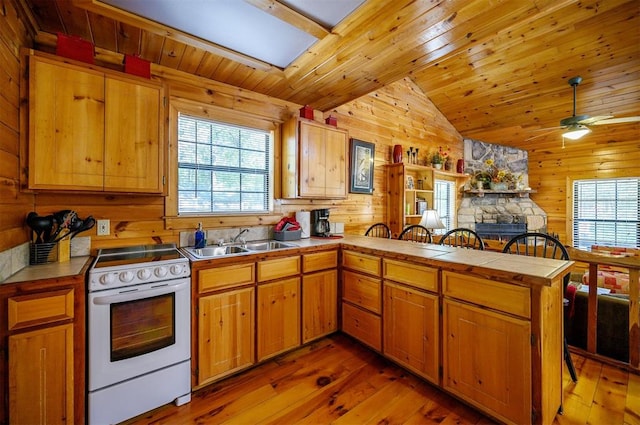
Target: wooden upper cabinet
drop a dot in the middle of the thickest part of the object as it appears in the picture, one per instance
(133, 137)
(66, 127)
(92, 131)
(314, 160)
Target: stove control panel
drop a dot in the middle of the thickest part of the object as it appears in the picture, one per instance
(117, 277)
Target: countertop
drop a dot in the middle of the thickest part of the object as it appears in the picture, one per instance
(72, 267)
(492, 265)
(528, 270)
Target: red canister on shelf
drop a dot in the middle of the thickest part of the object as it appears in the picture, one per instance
(460, 166)
(397, 154)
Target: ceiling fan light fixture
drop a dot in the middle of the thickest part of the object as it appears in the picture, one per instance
(576, 131)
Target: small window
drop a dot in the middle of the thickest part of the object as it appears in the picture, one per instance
(606, 212)
(223, 168)
(445, 204)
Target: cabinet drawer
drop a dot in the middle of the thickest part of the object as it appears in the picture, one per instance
(497, 295)
(421, 277)
(224, 277)
(361, 290)
(280, 267)
(362, 325)
(38, 309)
(319, 261)
(361, 262)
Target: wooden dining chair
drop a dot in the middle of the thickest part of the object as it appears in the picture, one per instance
(416, 233)
(378, 230)
(462, 237)
(535, 244)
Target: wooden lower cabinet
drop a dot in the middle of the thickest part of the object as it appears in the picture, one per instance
(225, 333)
(319, 304)
(411, 329)
(42, 339)
(278, 317)
(487, 360)
(41, 376)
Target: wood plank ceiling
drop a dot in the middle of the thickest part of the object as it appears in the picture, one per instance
(497, 69)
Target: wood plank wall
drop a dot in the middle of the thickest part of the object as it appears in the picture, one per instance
(14, 204)
(552, 170)
(397, 114)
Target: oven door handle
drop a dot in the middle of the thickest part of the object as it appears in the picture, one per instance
(140, 294)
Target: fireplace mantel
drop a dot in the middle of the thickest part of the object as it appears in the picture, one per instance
(481, 193)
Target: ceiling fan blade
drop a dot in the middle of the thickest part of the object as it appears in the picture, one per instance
(547, 132)
(594, 120)
(612, 120)
(550, 128)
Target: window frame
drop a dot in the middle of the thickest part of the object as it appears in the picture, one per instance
(453, 203)
(571, 209)
(265, 174)
(176, 221)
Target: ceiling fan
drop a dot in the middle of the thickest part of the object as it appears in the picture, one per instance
(578, 125)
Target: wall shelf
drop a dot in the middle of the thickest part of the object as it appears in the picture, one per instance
(403, 207)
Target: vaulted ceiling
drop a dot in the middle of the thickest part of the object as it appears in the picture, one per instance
(496, 69)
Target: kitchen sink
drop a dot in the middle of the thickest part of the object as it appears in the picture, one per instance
(213, 251)
(267, 245)
(216, 251)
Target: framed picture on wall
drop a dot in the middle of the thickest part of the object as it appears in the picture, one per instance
(361, 176)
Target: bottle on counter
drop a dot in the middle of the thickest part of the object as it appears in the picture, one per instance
(200, 240)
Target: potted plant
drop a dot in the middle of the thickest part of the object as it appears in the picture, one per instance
(439, 157)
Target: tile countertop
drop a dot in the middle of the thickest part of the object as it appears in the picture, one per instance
(491, 265)
(488, 264)
(528, 270)
(72, 267)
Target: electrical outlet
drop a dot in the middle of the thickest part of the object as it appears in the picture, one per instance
(103, 227)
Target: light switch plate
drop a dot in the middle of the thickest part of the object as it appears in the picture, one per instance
(103, 228)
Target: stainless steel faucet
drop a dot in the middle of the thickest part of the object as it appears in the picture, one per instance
(242, 231)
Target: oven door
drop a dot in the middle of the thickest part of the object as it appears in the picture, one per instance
(137, 330)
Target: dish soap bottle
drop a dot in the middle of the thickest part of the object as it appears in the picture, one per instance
(200, 241)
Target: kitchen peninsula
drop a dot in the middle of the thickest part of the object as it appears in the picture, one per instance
(485, 326)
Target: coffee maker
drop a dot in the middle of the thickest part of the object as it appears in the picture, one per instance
(320, 222)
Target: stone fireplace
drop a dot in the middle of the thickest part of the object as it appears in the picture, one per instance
(508, 214)
(498, 214)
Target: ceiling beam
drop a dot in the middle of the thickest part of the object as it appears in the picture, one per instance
(291, 17)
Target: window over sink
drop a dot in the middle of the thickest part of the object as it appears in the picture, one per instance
(223, 168)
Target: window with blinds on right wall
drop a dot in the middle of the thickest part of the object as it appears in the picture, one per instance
(606, 212)
(444, 198)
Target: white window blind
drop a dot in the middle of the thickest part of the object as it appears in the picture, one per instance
(444, 203)
(222, 168)
(606, 212)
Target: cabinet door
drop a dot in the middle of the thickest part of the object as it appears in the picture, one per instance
(133, 154)
(336, 164)
(225, 333)
(319, 304)
(411, 321)
(313, 166)
(278, 317)
(66, 127)
(487, 359)
(41, 376)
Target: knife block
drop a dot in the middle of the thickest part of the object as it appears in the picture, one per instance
(64, 249)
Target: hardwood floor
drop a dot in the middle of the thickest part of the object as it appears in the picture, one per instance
(338, 381)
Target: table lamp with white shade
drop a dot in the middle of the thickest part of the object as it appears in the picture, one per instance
(431, 221)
